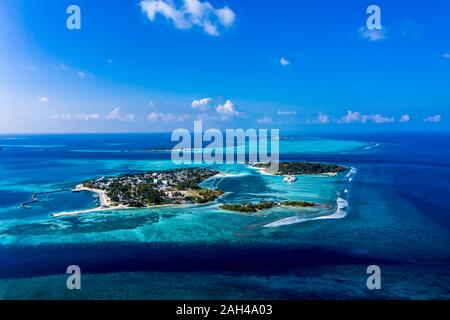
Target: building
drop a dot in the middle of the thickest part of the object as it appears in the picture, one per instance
(289, 179)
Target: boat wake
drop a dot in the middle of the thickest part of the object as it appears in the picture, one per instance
(340, 213)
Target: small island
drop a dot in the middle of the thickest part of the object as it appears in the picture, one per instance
(252, 208)
(150, 189)
(300, 168)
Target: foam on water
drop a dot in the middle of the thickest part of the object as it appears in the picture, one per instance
(341, 210)
(351, 173)
(371, 146)
(340, 213)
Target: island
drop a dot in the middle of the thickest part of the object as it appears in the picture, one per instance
(299, 168)
(264, 205)
(150, 189)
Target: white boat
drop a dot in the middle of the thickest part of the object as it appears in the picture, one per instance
(289, 179)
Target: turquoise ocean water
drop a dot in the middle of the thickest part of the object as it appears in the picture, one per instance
(394, 212)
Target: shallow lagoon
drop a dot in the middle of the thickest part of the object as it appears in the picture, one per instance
(190, 252)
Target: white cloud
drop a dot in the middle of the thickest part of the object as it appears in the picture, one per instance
(116, 114)
(77, 117)
(153, 116)
(210, 29)
(352, 117)
(434, 118)
(446, 55)
(43, 99)
(72, 70)
(284, 62)
(378, 118)
(228, 110)
(167, 117)
(265, 120)
(129, 117)
(405, 118)
(323, 118)
(190, 13)
(212, 110)
(202, 104)
(372, 35)
(63, 67)
(226, 16)
(356, 117)
(204, 117)
(286, 113)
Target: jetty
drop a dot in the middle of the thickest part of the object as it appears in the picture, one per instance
(34, 198)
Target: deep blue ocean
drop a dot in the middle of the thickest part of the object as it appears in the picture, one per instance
(398, 217)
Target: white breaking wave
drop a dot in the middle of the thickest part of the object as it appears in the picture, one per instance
(351, 173)
(370, 147)
(230, 175)
(340, 213)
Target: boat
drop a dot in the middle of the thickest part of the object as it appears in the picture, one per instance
(289, 179)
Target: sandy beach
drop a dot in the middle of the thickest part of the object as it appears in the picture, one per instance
(265, 171)
(104, 199)
(105, 204)
(229, 175)
(261, 170)
(98, 209)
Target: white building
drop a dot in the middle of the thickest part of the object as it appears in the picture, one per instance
(289, 179)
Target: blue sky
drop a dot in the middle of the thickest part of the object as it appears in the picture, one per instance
(156, 65)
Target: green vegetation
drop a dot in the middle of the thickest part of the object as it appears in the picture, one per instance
(205, 195)
(265, 205)
(252, 208)
(299, 168)
(301, 204)
(246, 208)
(157, 187)
(140, 195)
